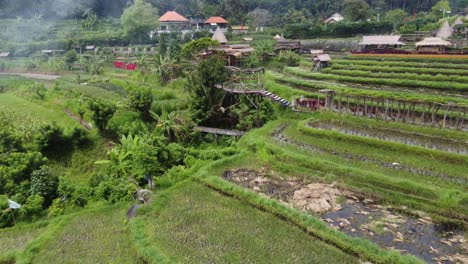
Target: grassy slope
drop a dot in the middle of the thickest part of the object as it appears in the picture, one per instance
(91, 237)
(36, 111)
(16, 238)
(198, 225)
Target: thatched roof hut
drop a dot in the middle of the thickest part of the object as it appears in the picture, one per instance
(219, 36)
(457, 22)
(278, 37)
(388, 40)
(433, 45)
(445, 31)
(337, 17)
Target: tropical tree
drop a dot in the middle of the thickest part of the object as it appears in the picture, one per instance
(139, 19)
(441, 8)
(356, 10)
(396, 17)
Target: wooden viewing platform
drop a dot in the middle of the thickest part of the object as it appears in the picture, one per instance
(219, 131)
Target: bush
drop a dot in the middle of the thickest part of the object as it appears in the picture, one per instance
(33, 208)
(290, 58)
(80, 137)
(114, 189)
(70, 57)
(51, 139)
(45, 184)
(102, 112)
(71, 193)
(6, 218)
(140, 100)
(125, 122)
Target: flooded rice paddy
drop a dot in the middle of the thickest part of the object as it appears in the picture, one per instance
(359, 217)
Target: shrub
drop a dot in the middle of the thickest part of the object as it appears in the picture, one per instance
(6, 219)
(102, 112)
(51, 138)
(140, 100)
(45, 184)
(125, 122)
(70, 57)
(289, 57)
(33, 208)
(80, 137)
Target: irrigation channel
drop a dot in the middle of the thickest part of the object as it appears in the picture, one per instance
(358, 216)
(436, 143)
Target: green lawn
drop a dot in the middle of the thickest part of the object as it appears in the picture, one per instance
(198, 225)
(91, 237)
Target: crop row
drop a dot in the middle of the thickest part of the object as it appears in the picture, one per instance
(294, 157)
(460, 87)
(404, 63)
(409, 76)
(412, 57)
(351, 91)
(432, 71)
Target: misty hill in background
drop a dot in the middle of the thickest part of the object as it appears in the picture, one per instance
(235, 10)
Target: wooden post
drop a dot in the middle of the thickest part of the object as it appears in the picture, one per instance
(347, 104)
(423, 114)
(386, 110)
(445, 116)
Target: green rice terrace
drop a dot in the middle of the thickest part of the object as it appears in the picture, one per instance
(184, 160)
(371, 168)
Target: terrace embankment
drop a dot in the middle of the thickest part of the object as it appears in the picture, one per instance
(358, 216)
(414, 139)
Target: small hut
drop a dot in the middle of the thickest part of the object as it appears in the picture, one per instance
(235, 54)
(445, 31)
(4, 54)
(239, 29)
(381, 42)
(213, 23)
(284, 45)
(219, 36)
(321, 61)
(278, 37)
(337, 17)
(316, 52)
(433, 45)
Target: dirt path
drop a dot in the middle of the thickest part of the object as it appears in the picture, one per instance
(84, 124)
(40, 76)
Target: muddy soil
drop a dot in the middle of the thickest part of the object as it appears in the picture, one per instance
(357, 216)
(396, 136)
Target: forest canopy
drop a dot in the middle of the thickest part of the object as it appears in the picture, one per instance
(232, 9)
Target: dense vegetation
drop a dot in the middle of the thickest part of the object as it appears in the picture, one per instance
(81, 147)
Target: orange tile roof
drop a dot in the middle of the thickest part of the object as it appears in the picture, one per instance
(172, 16)
(217, 20)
